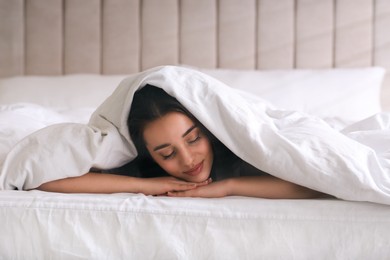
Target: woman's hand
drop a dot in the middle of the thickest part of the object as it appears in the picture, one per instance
(250, 186)
(213, 190)
(166, 185)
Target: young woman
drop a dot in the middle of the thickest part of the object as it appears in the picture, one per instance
(178, 156)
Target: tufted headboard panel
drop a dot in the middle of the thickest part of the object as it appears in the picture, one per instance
(55, 37)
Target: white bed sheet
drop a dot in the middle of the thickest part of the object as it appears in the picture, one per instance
(41, 225)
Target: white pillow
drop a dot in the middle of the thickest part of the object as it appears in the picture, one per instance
(71, 91)
(348, 94)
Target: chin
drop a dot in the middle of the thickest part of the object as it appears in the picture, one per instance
(202, 177)
(199, 178)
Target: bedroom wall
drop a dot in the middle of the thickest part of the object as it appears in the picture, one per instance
(54, 37)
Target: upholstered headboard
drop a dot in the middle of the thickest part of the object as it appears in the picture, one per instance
(54, 37)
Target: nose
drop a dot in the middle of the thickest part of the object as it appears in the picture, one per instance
(187, 157)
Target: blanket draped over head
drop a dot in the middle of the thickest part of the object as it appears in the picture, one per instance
(353, 164)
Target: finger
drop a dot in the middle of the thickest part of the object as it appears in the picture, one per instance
(184, 186)
(178, 194)
(203, 183)
(171, 193)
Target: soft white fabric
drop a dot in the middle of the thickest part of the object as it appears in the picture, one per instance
(68, 92)
(21, 119)
(42, 225)
(290, 145)
(350, 94)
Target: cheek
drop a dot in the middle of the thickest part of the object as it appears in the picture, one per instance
(205, 152)
(207, 149)
(170, 166)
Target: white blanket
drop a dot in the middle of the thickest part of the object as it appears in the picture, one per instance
(352, 165)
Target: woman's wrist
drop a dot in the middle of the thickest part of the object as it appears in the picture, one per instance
(230, 185)
(136, 185)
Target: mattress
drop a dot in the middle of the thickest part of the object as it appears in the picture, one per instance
(42, 225)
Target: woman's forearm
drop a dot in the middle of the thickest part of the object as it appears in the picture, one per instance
(269, 187)
(93, 183)
(112, 183)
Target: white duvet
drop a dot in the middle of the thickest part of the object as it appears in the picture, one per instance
(353, 164)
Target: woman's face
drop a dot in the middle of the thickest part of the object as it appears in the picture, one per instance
(179, 147)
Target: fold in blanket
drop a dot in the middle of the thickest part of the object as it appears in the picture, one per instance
(352, 165)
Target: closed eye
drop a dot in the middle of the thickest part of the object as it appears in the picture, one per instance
(195, 139)
(166, 157)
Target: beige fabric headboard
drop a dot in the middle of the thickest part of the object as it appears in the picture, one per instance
(53, 37)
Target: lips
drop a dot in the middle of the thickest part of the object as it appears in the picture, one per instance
(195, 170)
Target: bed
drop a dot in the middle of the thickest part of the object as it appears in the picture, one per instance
(60, 60)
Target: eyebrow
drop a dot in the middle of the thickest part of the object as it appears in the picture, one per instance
(189, 130)
(161, 146)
